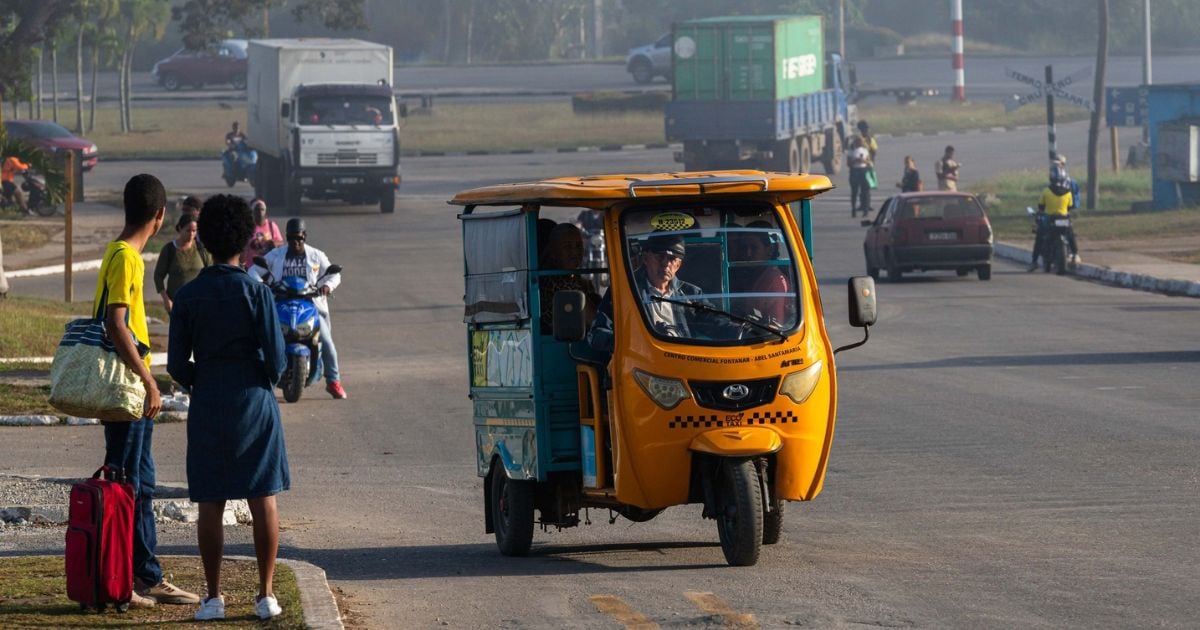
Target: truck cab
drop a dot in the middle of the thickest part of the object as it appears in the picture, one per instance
(345, 143)
(322, 115)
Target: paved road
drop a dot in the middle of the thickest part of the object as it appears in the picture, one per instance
(1017, 453)
(986, 80)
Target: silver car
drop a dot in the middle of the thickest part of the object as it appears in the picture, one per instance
(651, 60)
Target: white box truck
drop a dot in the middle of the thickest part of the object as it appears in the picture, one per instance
(322, 115)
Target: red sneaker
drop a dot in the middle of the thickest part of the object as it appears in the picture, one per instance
(335, 389)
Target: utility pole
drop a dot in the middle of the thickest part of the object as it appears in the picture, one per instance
(842, 29)
(1147, 74)
(1051, 135)
(956, 60)
(597, 29)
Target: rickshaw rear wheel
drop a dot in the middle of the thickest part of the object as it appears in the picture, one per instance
(512, 509)
(740, 512)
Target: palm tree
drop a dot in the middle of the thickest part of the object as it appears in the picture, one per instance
(104, 41)
(140, 18)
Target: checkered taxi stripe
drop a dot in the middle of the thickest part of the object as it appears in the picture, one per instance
(733, 420)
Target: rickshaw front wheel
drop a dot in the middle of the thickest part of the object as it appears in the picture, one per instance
(740, 513)
(772, 521)
(512, 509)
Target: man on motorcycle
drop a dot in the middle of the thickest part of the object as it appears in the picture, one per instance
(310, 263)
(1056, 203)
(8, 173)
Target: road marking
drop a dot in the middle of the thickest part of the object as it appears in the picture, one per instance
(714, 605)
(616, 608)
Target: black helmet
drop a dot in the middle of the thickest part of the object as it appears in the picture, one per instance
(862, 126)
(296, 226)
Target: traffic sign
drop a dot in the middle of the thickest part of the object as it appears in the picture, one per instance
(1126, 106)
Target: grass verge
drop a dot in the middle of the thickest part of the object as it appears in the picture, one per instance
(23, 400)
(929, 117)
(197, 132)
(33, 327)
(1167, 234)
(33, 595)
(20, 236)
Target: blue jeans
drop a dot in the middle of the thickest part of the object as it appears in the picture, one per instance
(328, 350)
(127, 446)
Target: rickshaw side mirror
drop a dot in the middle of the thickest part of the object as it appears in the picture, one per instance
(570, 315)
(862, 301)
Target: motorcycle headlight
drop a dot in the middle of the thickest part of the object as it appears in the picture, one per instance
(665, 392)
(305, 329)
(800, 385)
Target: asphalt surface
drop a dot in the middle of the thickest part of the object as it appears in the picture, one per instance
(985, 79)
(1012, 453)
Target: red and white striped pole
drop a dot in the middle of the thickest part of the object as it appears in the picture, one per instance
(960, 80)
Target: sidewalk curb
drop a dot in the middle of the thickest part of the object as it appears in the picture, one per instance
(1109, 276)
(83, 265)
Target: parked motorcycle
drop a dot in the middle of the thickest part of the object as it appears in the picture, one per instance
(37, 199)
(301, 326)
(240, 163)
(1055, 247)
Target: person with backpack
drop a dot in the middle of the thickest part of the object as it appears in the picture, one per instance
(266, 234)
(180, 261)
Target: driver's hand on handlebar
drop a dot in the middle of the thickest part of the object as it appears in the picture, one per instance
(325, 290)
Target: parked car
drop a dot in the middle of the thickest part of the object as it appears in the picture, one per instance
(923, 231)
(51, 136)
(651, 60)
(197, 68)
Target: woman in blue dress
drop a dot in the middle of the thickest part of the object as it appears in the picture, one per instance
(227, 350)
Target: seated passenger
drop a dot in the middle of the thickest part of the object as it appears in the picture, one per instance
(766, 278)
(564, 250)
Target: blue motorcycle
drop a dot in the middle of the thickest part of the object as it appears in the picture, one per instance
(240, 163)
(301, 326)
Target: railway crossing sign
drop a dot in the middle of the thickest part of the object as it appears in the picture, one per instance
(1058, 88)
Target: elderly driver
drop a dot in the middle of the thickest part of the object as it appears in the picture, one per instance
(661, 257)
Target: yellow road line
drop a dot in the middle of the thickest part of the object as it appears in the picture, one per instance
(620, 611)
(714, 605)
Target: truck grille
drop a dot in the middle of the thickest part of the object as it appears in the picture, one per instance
(347, 158)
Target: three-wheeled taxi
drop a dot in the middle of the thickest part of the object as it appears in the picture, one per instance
(703, 374)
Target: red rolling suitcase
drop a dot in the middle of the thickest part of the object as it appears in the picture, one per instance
(100, 541)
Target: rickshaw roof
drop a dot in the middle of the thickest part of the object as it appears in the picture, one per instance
(600, 191)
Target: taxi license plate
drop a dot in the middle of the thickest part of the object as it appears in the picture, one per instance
(943, 236)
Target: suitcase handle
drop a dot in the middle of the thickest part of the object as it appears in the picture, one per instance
(111, 473)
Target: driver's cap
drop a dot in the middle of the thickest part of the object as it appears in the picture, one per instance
(666, 244)
(296, 226)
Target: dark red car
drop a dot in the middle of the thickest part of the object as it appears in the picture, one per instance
(52, 137)
(197, 68)
(923, 231)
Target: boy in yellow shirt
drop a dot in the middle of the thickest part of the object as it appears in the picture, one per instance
(127, 445)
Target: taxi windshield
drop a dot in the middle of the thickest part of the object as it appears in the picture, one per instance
(719, 274)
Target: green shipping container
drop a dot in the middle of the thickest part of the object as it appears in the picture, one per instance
(748, 58)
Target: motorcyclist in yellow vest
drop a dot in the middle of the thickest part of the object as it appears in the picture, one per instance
(1055, 203)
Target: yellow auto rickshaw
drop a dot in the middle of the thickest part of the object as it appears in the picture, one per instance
(703, 374)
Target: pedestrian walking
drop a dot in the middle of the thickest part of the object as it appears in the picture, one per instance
(859, 161)
(180, 261)
(912, 178)
(946, 170)
(266, 234)
(226, 320)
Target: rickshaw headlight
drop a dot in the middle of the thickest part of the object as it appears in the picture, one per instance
(800, 385)
(665, 392)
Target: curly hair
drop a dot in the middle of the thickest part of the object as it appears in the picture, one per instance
(225, 226)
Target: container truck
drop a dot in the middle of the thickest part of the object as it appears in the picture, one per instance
(757, 92)
(322, 115)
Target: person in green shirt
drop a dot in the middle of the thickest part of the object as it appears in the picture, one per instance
(180, 261)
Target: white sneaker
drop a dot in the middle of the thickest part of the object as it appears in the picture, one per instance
(267, 607)
(211, 608)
